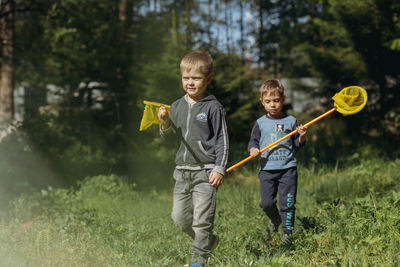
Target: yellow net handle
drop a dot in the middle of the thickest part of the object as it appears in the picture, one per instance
(281, 139)
(349, 100)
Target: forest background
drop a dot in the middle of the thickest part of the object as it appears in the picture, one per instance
(85, 68)
(82, 69)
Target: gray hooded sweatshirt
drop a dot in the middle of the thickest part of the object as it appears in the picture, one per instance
(202, 134)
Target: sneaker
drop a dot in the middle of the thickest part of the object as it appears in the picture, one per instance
(287, 237)
(272, 227)
(214, 242)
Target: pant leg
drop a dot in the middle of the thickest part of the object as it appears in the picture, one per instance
(269, 190)
(182, 209)
(287, 197)
(204, 203)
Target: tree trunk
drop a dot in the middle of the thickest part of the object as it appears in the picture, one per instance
(277, 74)
(210, 23)
(241, 24)
(173, 26)
(121, 67)
(218, 23)
(189, 41)
(155, 6)
(227, 26)
(260, 33)
(7, 65)
(122, 11)
(317, 37)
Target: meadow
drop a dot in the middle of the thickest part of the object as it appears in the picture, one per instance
(347, 215)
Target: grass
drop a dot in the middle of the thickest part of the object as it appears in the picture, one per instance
(346, 216)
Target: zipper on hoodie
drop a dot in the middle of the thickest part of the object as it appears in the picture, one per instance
(187, 131)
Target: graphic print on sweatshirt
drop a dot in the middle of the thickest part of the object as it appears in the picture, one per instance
(279, 151)
(201, 117)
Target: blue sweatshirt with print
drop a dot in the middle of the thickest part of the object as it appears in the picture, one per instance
(266, 131)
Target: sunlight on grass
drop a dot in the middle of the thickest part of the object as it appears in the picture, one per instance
(22, 168)
(344, 216)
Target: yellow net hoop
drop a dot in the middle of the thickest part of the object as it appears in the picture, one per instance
(350, 100)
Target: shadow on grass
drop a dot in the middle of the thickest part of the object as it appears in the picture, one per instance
(269, 246)
(310, 224)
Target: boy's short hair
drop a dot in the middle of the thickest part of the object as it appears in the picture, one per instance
(198, 60)
(270, 86)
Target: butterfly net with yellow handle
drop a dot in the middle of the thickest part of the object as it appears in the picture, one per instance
(350, 100)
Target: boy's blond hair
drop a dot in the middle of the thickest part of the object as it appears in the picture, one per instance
(272, 86)
(197, 60)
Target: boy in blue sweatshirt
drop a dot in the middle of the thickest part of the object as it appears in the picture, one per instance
(278, 167)
(197, 120)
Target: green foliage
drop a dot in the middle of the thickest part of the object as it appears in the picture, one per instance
(392, 123)
(103, 216)
(370, 175)
(42, 152)
(72, 45)
(106, 221)
(395, 44)
(233, 87)
(348, 195)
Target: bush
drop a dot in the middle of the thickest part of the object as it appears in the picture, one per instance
(106, 221)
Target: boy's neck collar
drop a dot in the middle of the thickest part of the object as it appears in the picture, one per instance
(276, 118)
(191, 101)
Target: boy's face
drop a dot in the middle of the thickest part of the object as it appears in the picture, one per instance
(195, 83)
(273, 103)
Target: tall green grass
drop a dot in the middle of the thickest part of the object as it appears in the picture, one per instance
(346, 216)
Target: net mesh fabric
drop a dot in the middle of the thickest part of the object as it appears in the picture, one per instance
(150, 115)
(350, 100)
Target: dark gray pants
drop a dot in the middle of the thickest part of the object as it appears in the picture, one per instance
(194, 210)
(284, 183)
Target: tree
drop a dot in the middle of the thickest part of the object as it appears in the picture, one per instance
(7, 63)
(351, 42)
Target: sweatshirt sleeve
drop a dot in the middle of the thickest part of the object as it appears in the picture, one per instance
(170, 133)
(296, 138)
(222, 140)
(255, 137)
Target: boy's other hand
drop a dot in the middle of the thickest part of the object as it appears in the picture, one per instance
(302, 130)
(215, 179)
(254, 152)
(163, 117)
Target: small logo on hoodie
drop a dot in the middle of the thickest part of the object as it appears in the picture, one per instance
(201, 117)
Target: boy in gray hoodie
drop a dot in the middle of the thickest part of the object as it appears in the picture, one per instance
(197, 120)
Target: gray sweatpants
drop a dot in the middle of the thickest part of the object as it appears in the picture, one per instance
(194, 209)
